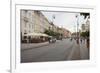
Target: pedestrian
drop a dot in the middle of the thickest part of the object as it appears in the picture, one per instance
(77, 41)
(49, 39)
(88, 43)
(71, 39)
(81, 40)
(84, 40)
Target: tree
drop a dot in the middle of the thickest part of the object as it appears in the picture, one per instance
(85, 34)
(85, 15)
(52, 33)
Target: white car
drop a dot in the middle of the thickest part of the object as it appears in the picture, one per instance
(52, 40)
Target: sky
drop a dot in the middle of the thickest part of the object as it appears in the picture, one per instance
(66, 20)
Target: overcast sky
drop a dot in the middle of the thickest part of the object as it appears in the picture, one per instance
(66, 20)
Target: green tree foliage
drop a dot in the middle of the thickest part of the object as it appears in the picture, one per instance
(51, 33)
(85, 34)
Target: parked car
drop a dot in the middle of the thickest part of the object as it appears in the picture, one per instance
(52, 40)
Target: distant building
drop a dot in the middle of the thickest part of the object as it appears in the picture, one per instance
(74, 35)
(86, 26)
(54, 27)
(41, 22)
(59, 30)
(83, 28)
(65, 33)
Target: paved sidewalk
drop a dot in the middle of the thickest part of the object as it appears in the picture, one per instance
(75, 53)
(25, 46)
(84, 51)
(79, 52)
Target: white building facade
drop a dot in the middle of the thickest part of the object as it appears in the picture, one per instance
(33, 21)
(27, 22)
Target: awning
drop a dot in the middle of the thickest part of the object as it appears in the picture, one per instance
(37, 34)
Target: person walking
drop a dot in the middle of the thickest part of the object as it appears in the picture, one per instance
(88, 42)
(81, 40)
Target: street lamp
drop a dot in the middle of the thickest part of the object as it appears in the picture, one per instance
(53, 17)
(77, 29)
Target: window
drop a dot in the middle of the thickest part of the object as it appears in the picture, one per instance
(32, 26)
(25, 32)
(29, 25)
(25, 24)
